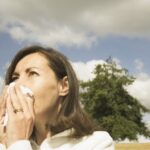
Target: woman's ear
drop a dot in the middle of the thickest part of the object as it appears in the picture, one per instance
(64, 86)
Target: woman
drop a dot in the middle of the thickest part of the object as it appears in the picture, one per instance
(51, 118)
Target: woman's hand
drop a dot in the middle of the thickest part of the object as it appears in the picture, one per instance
(2, 114)
(21, 115)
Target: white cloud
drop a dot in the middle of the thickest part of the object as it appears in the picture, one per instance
(140, 89)
(77, 23)
(84, 71)
(141, 86)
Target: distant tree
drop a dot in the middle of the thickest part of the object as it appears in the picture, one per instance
(107, 101)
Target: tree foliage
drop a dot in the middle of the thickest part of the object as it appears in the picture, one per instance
(107, 101)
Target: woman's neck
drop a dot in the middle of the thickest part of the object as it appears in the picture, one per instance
(41, 128)
(41, 133)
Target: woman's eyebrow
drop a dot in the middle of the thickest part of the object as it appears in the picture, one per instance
(27, 70)
(30, 68)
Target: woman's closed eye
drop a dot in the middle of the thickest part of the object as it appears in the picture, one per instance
(33, 73)
(30, 74)
(14, 78)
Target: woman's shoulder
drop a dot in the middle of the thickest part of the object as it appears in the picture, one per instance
(99, 140)
(99, 136)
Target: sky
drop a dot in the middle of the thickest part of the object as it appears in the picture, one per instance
(87, 32)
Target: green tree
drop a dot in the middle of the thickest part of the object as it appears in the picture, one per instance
(107, 101)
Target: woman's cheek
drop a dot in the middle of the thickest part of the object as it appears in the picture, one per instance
(45, 100)
(45, 93)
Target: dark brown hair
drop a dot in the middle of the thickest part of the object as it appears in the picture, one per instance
(71, 114)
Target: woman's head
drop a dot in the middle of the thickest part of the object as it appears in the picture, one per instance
(50, 76)
(44, 70)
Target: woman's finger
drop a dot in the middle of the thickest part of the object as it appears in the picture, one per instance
(10, 109)
(30, 102)
(3, 98)
(22, 99)
(14, 99)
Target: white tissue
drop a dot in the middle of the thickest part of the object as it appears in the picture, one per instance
(25, 91)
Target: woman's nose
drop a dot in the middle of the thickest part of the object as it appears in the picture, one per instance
(21, 81)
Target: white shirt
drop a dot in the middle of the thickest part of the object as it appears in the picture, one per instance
(99, 140)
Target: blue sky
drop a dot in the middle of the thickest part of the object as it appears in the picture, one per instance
(125, 49)
(87, 32)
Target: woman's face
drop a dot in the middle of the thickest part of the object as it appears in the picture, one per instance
(33, 72)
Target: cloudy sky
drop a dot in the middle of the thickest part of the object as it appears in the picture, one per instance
(86, 31)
